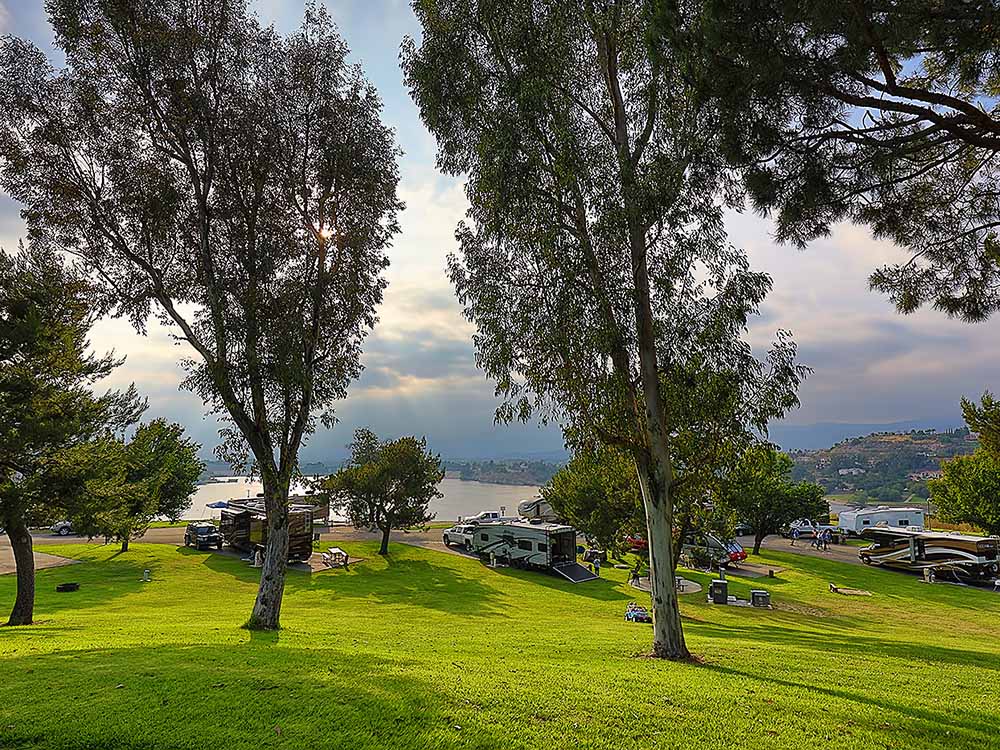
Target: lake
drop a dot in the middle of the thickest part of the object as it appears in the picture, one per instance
(461, 498)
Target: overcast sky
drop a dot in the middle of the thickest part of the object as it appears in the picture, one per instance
(871, 364)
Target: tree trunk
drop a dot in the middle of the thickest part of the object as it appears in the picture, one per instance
(384, 549)
(668, 634)
(24, 560)
(266, 613)
(125, 544)
(757, 539)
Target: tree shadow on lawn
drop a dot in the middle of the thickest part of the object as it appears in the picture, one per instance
(99, 585)
(981, 725)
(892, 584)
(849, 643)
(603, 589)
(245, 695)
(404, 579)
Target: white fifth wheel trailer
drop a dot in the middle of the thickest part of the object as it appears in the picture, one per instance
(522, 544)
(853, 522)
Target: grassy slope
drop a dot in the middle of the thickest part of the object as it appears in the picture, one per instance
(401, 652)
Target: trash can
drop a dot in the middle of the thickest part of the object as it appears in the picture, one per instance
(760, 598)
(718, 591)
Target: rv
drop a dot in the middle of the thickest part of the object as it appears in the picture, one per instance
(543, 546)
(243, 526)
(853, 522)
(537, 509)
(966, 557)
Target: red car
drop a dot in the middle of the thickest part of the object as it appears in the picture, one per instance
(636, 543)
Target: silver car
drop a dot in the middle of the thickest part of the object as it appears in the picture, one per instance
(62, 528)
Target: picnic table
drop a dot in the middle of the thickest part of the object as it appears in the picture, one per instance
(334, 557)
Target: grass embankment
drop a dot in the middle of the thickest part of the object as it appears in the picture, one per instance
(424, 649)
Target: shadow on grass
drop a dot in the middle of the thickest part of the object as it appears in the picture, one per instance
(849, 643)
(932, 722)
(603, 589)
(244, 695)
(100, 584)
(426, 580)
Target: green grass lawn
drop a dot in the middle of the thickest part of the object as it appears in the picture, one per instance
(429, 650)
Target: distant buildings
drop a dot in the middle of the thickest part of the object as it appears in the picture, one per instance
(917, 476)
(851, 472)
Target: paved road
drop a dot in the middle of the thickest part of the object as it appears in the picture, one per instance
(42, 560)
(175, 536)
(431, 539)
(841, 552)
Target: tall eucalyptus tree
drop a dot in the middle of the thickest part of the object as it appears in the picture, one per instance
(594, 262)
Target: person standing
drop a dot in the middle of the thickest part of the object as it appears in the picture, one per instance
(795, 536)
(597, 566)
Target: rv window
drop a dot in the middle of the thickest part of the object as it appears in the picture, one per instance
(904, 522)
(543, 547)
(866, 522)
(484, 537)
(524, 544)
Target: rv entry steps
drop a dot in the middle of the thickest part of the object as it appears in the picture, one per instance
(574, 572)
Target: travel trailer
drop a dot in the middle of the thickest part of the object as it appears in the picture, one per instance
(537, 509)
(853, 522)
(966, 557)
(243, 526)
(521, 544)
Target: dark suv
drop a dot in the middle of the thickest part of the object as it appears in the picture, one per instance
(202, 535)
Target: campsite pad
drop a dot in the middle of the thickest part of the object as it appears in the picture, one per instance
(238, 555)
(42, 559)
(753, 570)
(316, 564)
(849, 592)
(689, 587)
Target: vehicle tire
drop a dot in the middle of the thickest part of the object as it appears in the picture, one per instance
(468, 546)
(64, 531)
(219, 544)
(187, 541)
(447, 542)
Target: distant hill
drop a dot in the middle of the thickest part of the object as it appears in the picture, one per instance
(886, 467)
(515, 471)
(791, 437)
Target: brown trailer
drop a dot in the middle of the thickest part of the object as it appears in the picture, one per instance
(243, 526)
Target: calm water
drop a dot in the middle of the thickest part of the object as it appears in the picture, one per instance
(460, 498)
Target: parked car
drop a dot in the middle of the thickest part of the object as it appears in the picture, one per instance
(809, 529)
(636, 543)
(202, 535)
(62, 528)
(703, 550)
(459, 535)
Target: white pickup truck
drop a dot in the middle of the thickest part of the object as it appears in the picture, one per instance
(459, 535)
(486, 516)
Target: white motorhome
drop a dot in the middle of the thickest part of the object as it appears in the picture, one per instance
(522, 544)
(855, 521)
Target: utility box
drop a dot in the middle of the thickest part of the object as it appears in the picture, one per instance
(718, 591)
(760, 598)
